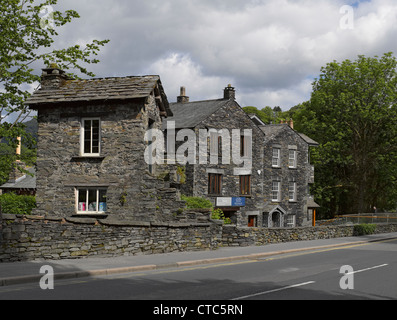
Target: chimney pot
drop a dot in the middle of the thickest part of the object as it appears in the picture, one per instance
(183, 98)
(291, 123)
(52, 78)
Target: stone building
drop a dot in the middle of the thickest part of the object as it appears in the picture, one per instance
(273, 191)
(94, 138)
(287, 177)
(91, 146)
(229, 172)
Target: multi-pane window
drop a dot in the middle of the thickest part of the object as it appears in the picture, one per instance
(292, 191)
(214, 183)
(91, 200)
(292, 159)
(276, 157)
(276, 191)
(290, 221)
(245, 185)
(90, 137)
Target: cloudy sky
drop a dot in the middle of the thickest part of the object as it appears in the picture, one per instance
(270, 50)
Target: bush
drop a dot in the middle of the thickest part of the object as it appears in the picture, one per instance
(13, 204)
(196, 202)
(217, 214)
(363, 229)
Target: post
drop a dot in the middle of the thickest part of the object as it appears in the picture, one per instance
(314, 217)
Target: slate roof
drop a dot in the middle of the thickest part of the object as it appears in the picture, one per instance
(100, 89)
(272, 130)
(190, 114)
(23, 183)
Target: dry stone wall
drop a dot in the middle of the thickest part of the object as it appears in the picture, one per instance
(28, 238)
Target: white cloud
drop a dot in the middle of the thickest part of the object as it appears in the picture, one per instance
(178, 70)
(268, 49)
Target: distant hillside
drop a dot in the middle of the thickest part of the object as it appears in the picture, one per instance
(31, 127)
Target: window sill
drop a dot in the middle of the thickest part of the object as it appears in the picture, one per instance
(85, 158)
(90, 215)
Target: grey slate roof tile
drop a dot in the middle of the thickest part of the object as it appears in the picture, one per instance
(97, 89)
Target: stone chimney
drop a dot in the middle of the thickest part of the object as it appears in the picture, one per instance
(19, 147)
(15, 173)
(229, 93)
(52, 78)
(291, 123)
(183, 98)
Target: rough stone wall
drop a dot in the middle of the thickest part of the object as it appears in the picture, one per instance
(28, 238)
(121, 167)
(54, 238)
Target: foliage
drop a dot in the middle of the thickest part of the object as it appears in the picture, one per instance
(24, 40)
(352, 114)
(13, 204)
(196, 202)
(217, 214)
(363, 229)
(268, 115)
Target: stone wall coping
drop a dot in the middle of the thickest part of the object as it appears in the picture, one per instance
(107, 222)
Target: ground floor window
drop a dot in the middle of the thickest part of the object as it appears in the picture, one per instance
(91, 200)
(290, 221)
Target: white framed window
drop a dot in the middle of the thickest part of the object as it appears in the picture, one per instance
(90, 137)
(91, 200)
(293, 158)
(292, 192)
(276, 158)
(291, 221)
(276, 191)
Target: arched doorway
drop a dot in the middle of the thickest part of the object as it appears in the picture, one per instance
(275, 218)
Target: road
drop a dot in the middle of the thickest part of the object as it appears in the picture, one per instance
(310, 275)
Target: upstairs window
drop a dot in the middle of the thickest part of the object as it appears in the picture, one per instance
(292, 192)
(246, 146)
(292, 160)
(276, 158)
(214, 183)
(90, 137)
(245, 185)
(276, 191)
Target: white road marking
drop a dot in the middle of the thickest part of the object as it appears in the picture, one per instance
(274, 290)
(367, 269)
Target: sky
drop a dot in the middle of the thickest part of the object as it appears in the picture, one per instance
(269, 50)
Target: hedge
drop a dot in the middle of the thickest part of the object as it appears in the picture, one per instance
(13, 204)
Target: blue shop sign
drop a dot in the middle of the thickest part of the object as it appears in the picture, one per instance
(238, 202)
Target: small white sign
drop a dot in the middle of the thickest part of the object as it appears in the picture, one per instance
(223, 202)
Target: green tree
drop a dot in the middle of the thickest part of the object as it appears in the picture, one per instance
(27, 32)
(352, 113)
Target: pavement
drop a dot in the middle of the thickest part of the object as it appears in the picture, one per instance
(27, 272)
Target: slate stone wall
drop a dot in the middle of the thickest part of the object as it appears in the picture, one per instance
(28, 238)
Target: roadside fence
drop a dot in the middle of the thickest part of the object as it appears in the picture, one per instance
(349, 219)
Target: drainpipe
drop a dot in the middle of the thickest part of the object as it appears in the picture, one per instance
(314, 217)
